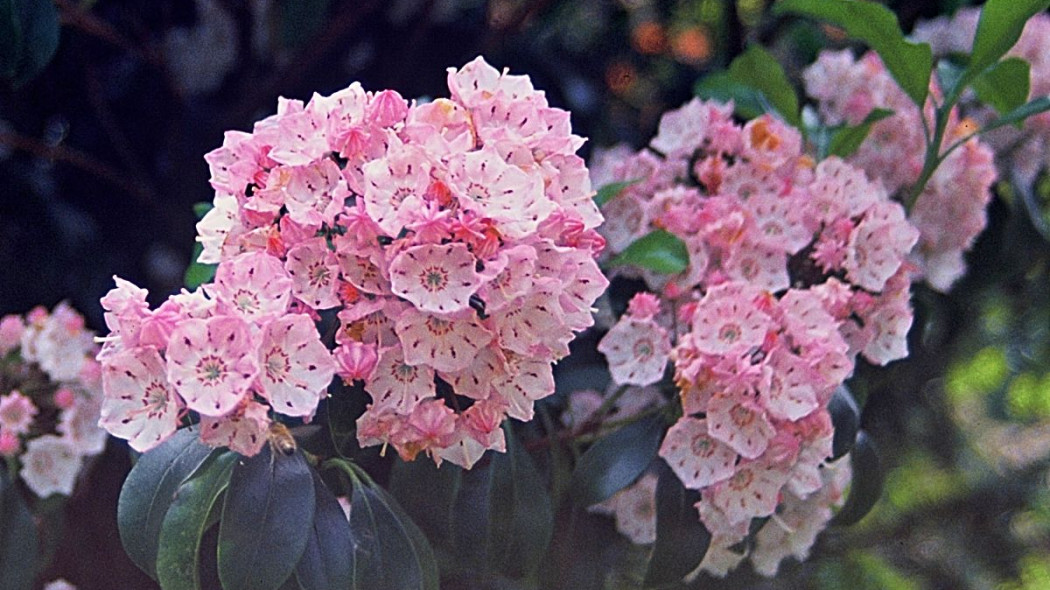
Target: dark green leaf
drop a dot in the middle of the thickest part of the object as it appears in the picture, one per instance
(198, 273)
(149, 490)
(616, 460)
(1032, 107)
(427, 493)
(659, 251)
(866, 487)
(748, 103)
(10, 39)
(390, 552)
(502, 517)
(845, 418)
(998, 29)
(267, 518)
(39, 24)
(846, 140)
(909, 63)
(178, 554)
(758, 69)
(325, 563)
(1004, 86)
(949, 72)
(681, 539)
(18, 538)
(612, 190)
(201, 209)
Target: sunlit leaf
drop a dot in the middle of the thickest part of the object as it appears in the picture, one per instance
(18, 538)
(998, 29)
(758, 69)
(845, 141)
(1004, 86)
(178, 554)
(612, 190)
(659, 251)
(748, 102)
(616, 460)
(681, 539)
(267, 518)
(149, 490)
(910, 64)
(1032, 107)
(198, 273)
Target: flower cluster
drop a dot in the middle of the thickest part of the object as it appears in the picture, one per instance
(50, 395)
(794, 268)
(950, 212)
(454, 241)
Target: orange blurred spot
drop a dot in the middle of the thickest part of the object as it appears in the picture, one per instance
(692, 46)
(966, 127)
(834, 33)
(648, 38)
(620, 77)
(762, 137)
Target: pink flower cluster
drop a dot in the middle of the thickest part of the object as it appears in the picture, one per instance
(794, 269)
(50, 395)
(454, 239)
(950, 212)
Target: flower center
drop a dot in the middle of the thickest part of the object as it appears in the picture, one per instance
(211, 370)
(434, 278)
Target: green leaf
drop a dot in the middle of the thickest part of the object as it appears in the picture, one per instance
(503, 518)
(267, 519)
(149, 491)
(616, 460)
(325, 562)
(390, 552)
(40, 30)
(845, 419)
(846, 140)
(659, 251)
(998, 29)
(612, 190)
(178, 554)
(748, 103)
(18, 538)
(1004, 86)
(198, 273)
(10, 39)
(427, 493)
(201, 209)
(866, 487)
(681, 539)
(1018, 115)
(758, 69)
(909, 63)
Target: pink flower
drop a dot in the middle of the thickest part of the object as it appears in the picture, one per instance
(398, 385)
(355, 360)
(752, 491)
(444, 342)
(11, 329)
(9, 443)
(314, 270)
(50, 466)
(437, 279)
(696, 458)
(140, 405)
(295, 367)
(253, 285)
(16, 412)
(727, 320)
(212, 363)
(739, 423)
(484, 183)
(637, 350)
(244, 430)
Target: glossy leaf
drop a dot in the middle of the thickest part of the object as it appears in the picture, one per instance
(758, 69)
(866, 487)
(427, 493)
(845, 141)
(998, 29)
(389, 550)
(612, 190)
(149, 491)
(659, 251)
(681, 539)
(178, 554)
(909, 63)
(201, 209)
(267, 519)
(18, 538)
(616, 460)
(325, 563)
(845, 418)
(1018, 115)
(748, 103)
(1005, 85)
(503, 518)
(40, 31)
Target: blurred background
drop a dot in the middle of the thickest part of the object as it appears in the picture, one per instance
(101, 162)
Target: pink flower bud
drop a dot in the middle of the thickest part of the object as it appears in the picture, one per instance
(388, 108)
(9, 444)
(11, 329)
(65, 398)
(355, 360)
(643, 306)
